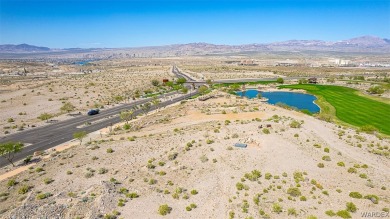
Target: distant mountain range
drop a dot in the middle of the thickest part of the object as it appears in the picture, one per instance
(22, 48)
(359, 45)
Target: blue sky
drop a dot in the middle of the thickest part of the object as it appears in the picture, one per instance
(120, 23)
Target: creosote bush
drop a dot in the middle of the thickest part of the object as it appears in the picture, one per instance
(164, 209)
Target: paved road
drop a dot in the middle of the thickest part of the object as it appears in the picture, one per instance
(178, 74)
(45, 137)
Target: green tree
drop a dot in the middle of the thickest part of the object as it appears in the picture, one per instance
(126, 115)
(155, 82)
(280, 80)
(202, 89)
(9, 149)
(181, 81)
(67, 107)
(45, 116)
(80, 135)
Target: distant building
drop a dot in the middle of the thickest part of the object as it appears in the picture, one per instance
(247, 62)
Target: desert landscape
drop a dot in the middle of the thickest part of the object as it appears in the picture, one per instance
(185, 158)
(194, 109)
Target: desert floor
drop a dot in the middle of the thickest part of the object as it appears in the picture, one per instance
(185, 155)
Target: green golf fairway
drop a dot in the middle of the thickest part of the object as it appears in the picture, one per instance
(350, 107)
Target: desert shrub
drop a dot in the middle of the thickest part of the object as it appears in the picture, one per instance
(376, 90)
(194, 192)
(292, 211)
(268, 176)
(266, 131)
(320, 165)
(209, 141)
(231, 214)
(355, 195)
(253, 176)
(43, 195)
(48, 180)
(132, 195)
(352, 170)
(363, 176)
(330, 213)
(11, 182)
(298, 176)
(203, 158)
(164, 209)
(295, 124)
(150, 166)
(172, 156)
(326, 150)
(123, 190)
(351, 207)
(302, 198)
(39, 169)
(341, 164)
(235, 135)
(373, 198)
(102, 170)
(23, 189)
(343, 214)
(239, 186)
(110, 150)
(152, 181)
(317, 145)
(295, 192)
(277, 208)
(326, 158)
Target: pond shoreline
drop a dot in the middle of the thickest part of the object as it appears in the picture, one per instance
(300, 99)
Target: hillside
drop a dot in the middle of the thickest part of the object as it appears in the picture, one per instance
(183, 156)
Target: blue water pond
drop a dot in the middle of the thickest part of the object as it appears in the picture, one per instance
(297, 100)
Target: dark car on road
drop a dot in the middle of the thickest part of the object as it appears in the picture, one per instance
(93, 112)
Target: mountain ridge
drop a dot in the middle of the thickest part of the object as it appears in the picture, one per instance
(358, 44)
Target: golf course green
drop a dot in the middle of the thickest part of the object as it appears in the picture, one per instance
(349, 106)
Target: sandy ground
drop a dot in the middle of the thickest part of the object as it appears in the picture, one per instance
(190, 147)
(23, 101)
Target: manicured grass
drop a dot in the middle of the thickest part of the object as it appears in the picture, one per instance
(351, 107)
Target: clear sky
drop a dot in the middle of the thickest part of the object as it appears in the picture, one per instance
(132, 23)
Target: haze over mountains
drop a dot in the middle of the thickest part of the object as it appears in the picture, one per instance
(359, 44)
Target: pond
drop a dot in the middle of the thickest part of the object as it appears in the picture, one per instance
(298, 100)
